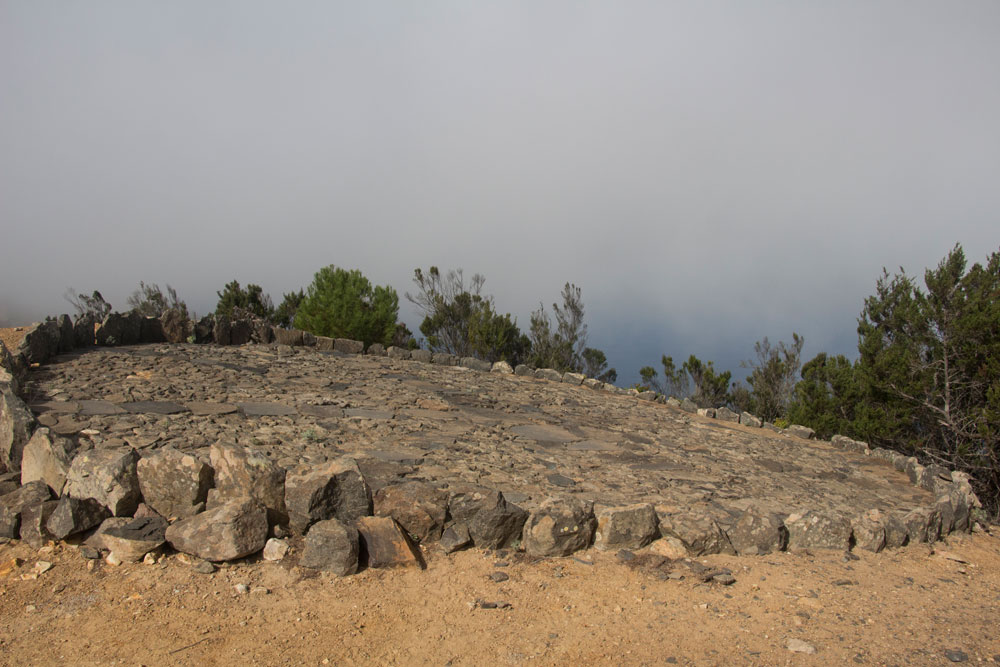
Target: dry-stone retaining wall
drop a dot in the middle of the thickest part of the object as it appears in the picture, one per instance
(221, 452)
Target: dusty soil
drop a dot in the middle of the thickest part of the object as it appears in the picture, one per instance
(908, 606)
(11, 336)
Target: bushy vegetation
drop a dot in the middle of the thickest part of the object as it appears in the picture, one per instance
(88, 306)
(344, 304)
(252, 299)
(150, 301)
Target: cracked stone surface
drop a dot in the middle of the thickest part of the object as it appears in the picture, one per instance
(452, 427)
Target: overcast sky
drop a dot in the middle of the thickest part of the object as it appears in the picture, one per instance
(708, 173)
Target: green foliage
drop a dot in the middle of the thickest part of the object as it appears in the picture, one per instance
(827, 397)
(460, 320)
(284, 314)
(93, 305)
(695, 379)
(773, 375)
(561, 348)
(595, 365)
(251, 299)
(343, 304)
(150, 301)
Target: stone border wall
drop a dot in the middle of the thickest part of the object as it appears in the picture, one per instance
(240, 503)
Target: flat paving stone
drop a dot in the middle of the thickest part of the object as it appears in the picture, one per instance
(154, 407)
(203, 408)
(592, 446)
(57, 407)
(365, 413)
(266, 409)
(322, 411)
(92, 408)
(543, 433)
(401, 456)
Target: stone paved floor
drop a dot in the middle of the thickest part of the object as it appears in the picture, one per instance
(450, 426)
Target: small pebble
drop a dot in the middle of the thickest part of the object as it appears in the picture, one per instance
(499, 576)
(242, 589)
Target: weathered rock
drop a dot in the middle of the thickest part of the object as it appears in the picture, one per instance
(700, 534)
(559, 527)
(630, 527)
(66, 338)
(83, 330)
(923, 524)
(444, 359)
(800, 431)
(456, 537)
(16, 425)
(287, 336)
(851, 445)
(221, 330)
(549, 374)
(324, 343)
(376, 350)
(818, 530)
(47, 458)
(495, 523)
(174, 484)
(331, 546)
(914, 471)
(687, 405)
(386, 544)
(869, 531)
(33, 523)
(502, 367)
(672, 402)
(176, 325)
(418, 507)
(727, 415)
(757, 533)
(593, 383)
(242, 472)
(707, 412)
(750, 420)
(130, 540)
(274, 549)
(41, 342)
(204, 330)
(75, 515)
(936, 479)
(232, 530)
(575, 379)
(14, 503)
(120, 329)
(400, 353)
(335, 490)
(9, 481)
(475, 364)
(646, 396)
(151, 330)
(348, 346)
(241, 329)
(422, 356)
(523, 370)
(108, 476)
(895, 530)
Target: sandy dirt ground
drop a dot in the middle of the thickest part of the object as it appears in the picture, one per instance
(913, 606)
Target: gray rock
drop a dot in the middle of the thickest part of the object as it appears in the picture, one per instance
(698, 533)
(176, 326)
(47, 458)
(475, 364)
(386, 544)
(869, 531)
(348, 346)
(151, 330)
(331, 546)
(108, 476)
(335, 490)
(221, 330)
(418, 507)
(33, 523)
(240, 329)
(13, 504)
(240, 473)
(274, 549)
(630, 527)
(16, 426)
(41, 342)
(75, 515)
(818, 530)
(687, 405)
(444, 359)
(757, 533)
(324, 343)
(204, 330)
(575, 379)
(494, 523)
(376, 350)
(83, 331)
(895, 530)
(173, 483)
(309, 339)
(66, 338)
(672, 402)
(549, 374)
(923, 524)
(559, 527)
(593, 383)
(914, 471)
(727, 415)
(502, 367)
(936, 479)
(422, 356)
(523, 370)
(646, 396)
(233, 530)
(120, 329)
(400, 353)
(132, 539)
(707, 412)
(750, 420)
(456, 537)
(287, 336)
(800, 431)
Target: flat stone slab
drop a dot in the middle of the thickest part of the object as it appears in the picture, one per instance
(203, 408)
(92, 408)
(365, 413)
(592, 446)
(57, 407)
(154, 407)
(403, 456)
(323, 411)
(266, 409)
(543, 433)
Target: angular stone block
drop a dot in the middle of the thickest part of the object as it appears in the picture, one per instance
(757, 533)
(750, 420)
(799, 431)
(418, 507)
(869, 531)
(493, 522)
(173, 483)
(47, 458)
(549, 374)
(523, 370)
(331, 546)
(75, 515)
(287, 336)
(34, 520)
(475, 364)
(386, 543)
(501, 367)
(575, 379)
(348, 346)
(233, 530)
(13, 504)
(108, 476)
(16, 426)
(132, 539)
(399, 353)
(727, 415)
(630, 527)
(335, 490)
(242, 472)
(422, 356)
(559, 527)
(376, 350)
(818, 530)
(699, 533)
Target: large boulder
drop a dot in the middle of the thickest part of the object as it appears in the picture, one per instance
(204, 330)
(287, 336)
(16, 425)
(108, 476)
(34, 520)
(47, 458)
(132, 539)
(631, 527)
(336, 490)
(757, 533)
(727, 415)
(818, 530)
(559, 527)
(233, 530)
(331, 546)
(120, 329)
(14, 503)
(386, 544)
(800, 431)
(41, 342)
(10, 372)
(418, 507)
(869, 531)
(923, 524)
(75, 515)
(242, 472)
(151, 330)
(221, 330)
(750, 420)
(66, 338)
(173, 483)
(348, 346)
(83, 330)
(699, 533)
(422, 356)
(176, 325)
(493, 522)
